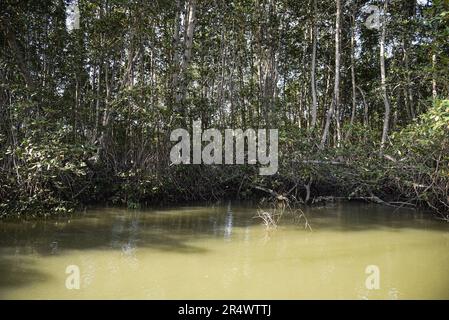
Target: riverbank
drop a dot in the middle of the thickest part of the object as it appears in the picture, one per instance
(55, 177)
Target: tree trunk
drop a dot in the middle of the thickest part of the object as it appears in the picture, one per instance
(175, 48)
(384, 80)
(336, 99)
(188, 44)
(354, 86)
(434, 81)
(313, 71)
(16, 50)
(408, 86)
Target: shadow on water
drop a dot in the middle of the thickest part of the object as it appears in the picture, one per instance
(121, 233)
(172, 230)
(106, 229)
(19, 271)
(121, 229)
(352, 217)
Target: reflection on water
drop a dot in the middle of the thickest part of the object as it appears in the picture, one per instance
(222, 251)
(228, 223)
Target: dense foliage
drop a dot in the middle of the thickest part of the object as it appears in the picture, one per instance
(86, 114)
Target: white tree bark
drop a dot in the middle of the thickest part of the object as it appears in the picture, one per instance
(188, 44)
(313, 71)
(336, 99)
(434, 81)
(354, 86)
(384, 80)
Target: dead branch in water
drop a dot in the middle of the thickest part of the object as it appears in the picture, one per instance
(272, 216)
(270, 219)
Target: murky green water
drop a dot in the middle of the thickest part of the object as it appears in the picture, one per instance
(222, 251)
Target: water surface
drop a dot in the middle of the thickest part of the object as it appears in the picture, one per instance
(223, 252)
